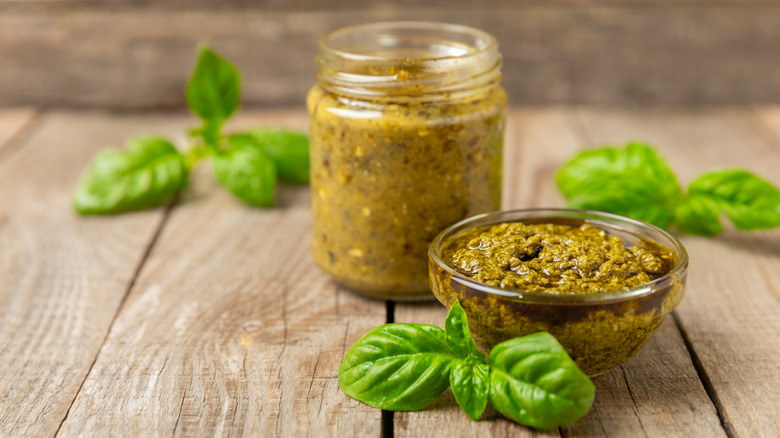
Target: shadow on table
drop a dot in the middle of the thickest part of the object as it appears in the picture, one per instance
(765, 243)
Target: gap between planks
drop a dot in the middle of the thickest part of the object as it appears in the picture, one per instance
(581, 127)
(121, 306)
(704, 377)
(239, 359)
(62, 276)
(733, 334)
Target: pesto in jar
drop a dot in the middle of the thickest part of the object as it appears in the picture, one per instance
(405, 141)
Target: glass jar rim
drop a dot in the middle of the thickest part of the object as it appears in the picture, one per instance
(484, 41)
(408, 61)
(595, 218)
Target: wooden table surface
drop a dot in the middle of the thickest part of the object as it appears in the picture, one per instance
(209, 317)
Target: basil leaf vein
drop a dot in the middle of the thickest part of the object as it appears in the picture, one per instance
(634, 181)
(698, 215)
(247, 173)
(288, 149)
(749, 201)
(534, 382)
(458, 335)
(470, 382)
(399, 367)
(213, 91)
(147, 172)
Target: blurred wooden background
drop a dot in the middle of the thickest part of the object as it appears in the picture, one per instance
(137, 54)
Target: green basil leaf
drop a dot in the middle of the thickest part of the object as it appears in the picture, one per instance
(750, 202)
(399, 367)
(247, 173)
(213, 91)
(148, 172)
(698, 215)
(458, 335)
(288, 149)
(534, 381)
(634, 181)
(470, 380)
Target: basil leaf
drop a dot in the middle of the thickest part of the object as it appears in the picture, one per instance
(698, 215)
(148, 172)
(458, 335)
(399, 367)
(634, 181)
(469, 377)
(750, 202)
(247, 173)
(469, 380)
(534, 382)
(288, 149)
(214, 87)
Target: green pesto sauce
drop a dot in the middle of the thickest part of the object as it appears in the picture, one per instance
(555, 258)
(388, 178)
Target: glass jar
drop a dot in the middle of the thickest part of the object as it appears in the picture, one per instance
(407, 126)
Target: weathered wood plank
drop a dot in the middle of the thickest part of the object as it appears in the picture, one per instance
(230, 329)
(769, 124)
(537, 142)
(657, 393)
(729, 315)
(12, 122)
(62, 277)
(567, 52)
(329, 5)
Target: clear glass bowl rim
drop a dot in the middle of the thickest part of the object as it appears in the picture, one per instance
(613, 220)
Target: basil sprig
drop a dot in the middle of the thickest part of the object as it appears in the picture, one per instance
(403, 367)
(150, 171)
(637, 182)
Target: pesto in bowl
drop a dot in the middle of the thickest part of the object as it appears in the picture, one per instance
(600, 283)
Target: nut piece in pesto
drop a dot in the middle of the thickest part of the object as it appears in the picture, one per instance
(407, 123)
(600, 283)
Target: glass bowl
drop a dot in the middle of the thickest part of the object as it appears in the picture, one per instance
(600, 331)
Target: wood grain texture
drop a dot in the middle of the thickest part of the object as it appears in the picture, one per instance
(329, 5)
(729, 314)
(230, 330)
(12, 122)
(657, 393)
(134, 55)
(62, 277)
